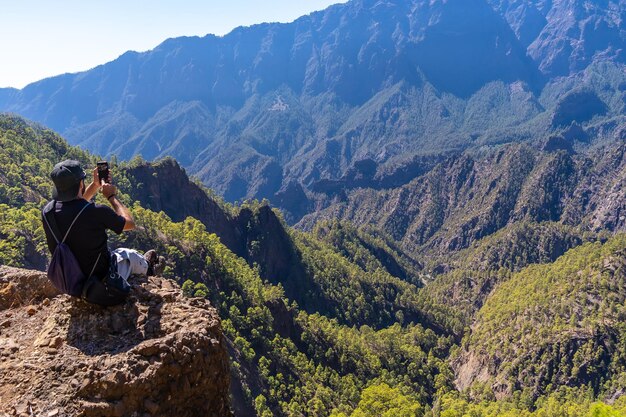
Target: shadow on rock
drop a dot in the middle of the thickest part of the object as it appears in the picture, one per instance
(96, 330)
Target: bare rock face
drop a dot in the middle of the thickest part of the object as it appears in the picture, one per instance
(159, 354)
(165, 186)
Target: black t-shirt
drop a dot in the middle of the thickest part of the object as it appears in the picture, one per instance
(88, 236)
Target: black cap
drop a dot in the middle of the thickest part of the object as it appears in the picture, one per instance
(66, 176)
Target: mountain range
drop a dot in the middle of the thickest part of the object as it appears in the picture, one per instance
(454, 171)
(523, 315)
(277, 110)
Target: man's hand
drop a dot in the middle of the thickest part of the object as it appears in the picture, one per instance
(92, 189)
(96, 179)
(108, 190)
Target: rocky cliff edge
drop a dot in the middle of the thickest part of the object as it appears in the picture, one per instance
(160, 354)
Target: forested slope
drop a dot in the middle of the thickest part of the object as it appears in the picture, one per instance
(343, 320)
(279, 359)
(560, 324)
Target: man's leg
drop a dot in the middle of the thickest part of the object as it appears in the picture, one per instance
(130, 262)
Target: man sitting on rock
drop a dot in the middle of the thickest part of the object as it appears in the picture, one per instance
(83, 226)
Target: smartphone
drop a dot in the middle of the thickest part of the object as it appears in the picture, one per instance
(103, 171)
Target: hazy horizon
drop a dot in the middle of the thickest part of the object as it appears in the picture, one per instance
(47, 40)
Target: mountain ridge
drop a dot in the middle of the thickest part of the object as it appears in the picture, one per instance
(469, 196)
(271, 107)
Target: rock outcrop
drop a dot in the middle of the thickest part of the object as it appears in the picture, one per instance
(255, 234)
(159, 354)
(165, 186)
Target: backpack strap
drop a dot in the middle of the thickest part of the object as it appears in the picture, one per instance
(94, 265)
(52, 224)
(74, 221)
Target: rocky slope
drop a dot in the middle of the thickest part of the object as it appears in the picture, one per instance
(565, 36)
(165, 186)
(257, 235)
(160, 354)
(473, 195)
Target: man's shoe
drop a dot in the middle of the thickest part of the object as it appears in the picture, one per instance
(160, 266)
(153, 259)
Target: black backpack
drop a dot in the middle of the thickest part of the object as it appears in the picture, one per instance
(64, 271)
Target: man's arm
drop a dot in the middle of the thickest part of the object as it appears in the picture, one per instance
(92, 189)
(109, 191)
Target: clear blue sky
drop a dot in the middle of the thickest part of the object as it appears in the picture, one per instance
(42, 38)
